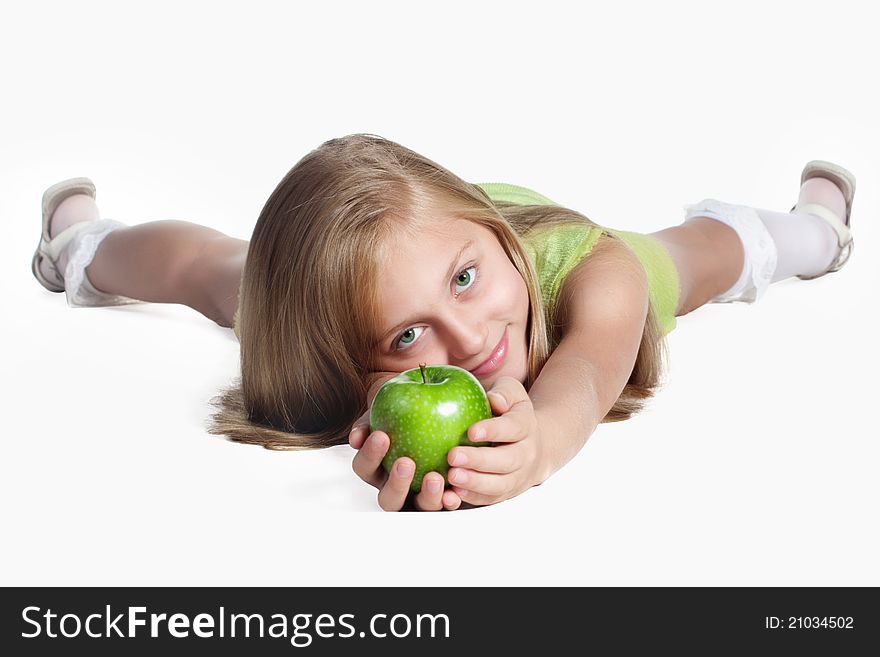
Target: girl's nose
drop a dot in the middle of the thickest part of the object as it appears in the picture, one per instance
(467, 339)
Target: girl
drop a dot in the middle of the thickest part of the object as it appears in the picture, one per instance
(368, 259)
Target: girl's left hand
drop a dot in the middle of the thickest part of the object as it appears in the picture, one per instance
(486, 475)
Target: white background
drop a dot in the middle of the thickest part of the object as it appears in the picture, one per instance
(756, 464)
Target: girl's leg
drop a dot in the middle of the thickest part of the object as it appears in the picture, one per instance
(172, 262)
(163, 262)
(710, 257)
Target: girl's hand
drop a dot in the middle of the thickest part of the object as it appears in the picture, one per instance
(486, 475)
(394, 488)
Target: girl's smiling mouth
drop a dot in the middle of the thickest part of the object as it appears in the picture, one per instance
(495, 359)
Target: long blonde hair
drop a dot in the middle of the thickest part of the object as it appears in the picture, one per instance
(308, 306)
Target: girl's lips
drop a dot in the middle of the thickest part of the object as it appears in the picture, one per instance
(494, 361)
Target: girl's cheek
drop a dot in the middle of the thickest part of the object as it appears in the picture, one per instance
(512, 297)
(516, 301)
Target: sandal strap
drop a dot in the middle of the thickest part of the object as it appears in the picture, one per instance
(52, 250)
(59, 192)
(844, 235)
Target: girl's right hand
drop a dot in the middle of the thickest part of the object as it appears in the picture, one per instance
(394, 487)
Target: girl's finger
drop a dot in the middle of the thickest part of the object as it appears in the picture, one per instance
(451, 500)
(498, 403)
(477, 499)
(501, 429)
(392, 495)
(367, 463)
(484, 483)
(430, 497)
(358, 435)
(510, 393)
(501, 459)
(360, 430)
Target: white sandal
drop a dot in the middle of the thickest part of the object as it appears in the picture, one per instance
(81, 239)
(49, 249)
(846, 181)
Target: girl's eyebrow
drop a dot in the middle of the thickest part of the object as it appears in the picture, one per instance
(449, 274)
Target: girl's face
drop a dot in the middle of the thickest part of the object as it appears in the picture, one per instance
(451, 297)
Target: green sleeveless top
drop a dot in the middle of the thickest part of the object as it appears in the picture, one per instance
(557, 250)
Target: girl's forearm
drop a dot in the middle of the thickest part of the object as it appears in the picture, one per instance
(586, 373)
(567, 406)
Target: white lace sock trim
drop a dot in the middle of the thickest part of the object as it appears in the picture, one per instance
(758, 245)
(82, 248)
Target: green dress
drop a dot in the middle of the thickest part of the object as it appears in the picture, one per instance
(556, 251)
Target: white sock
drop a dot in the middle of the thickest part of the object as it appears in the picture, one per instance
(777, 245)
(805, 243)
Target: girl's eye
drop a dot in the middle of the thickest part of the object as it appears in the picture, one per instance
(406, 339)
(465, 279)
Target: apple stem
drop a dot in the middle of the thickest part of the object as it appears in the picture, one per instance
(422, 369)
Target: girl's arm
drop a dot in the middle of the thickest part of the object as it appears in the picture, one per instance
(606, 306)
(536, 432)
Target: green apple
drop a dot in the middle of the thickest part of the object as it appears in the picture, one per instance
(426, 411)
